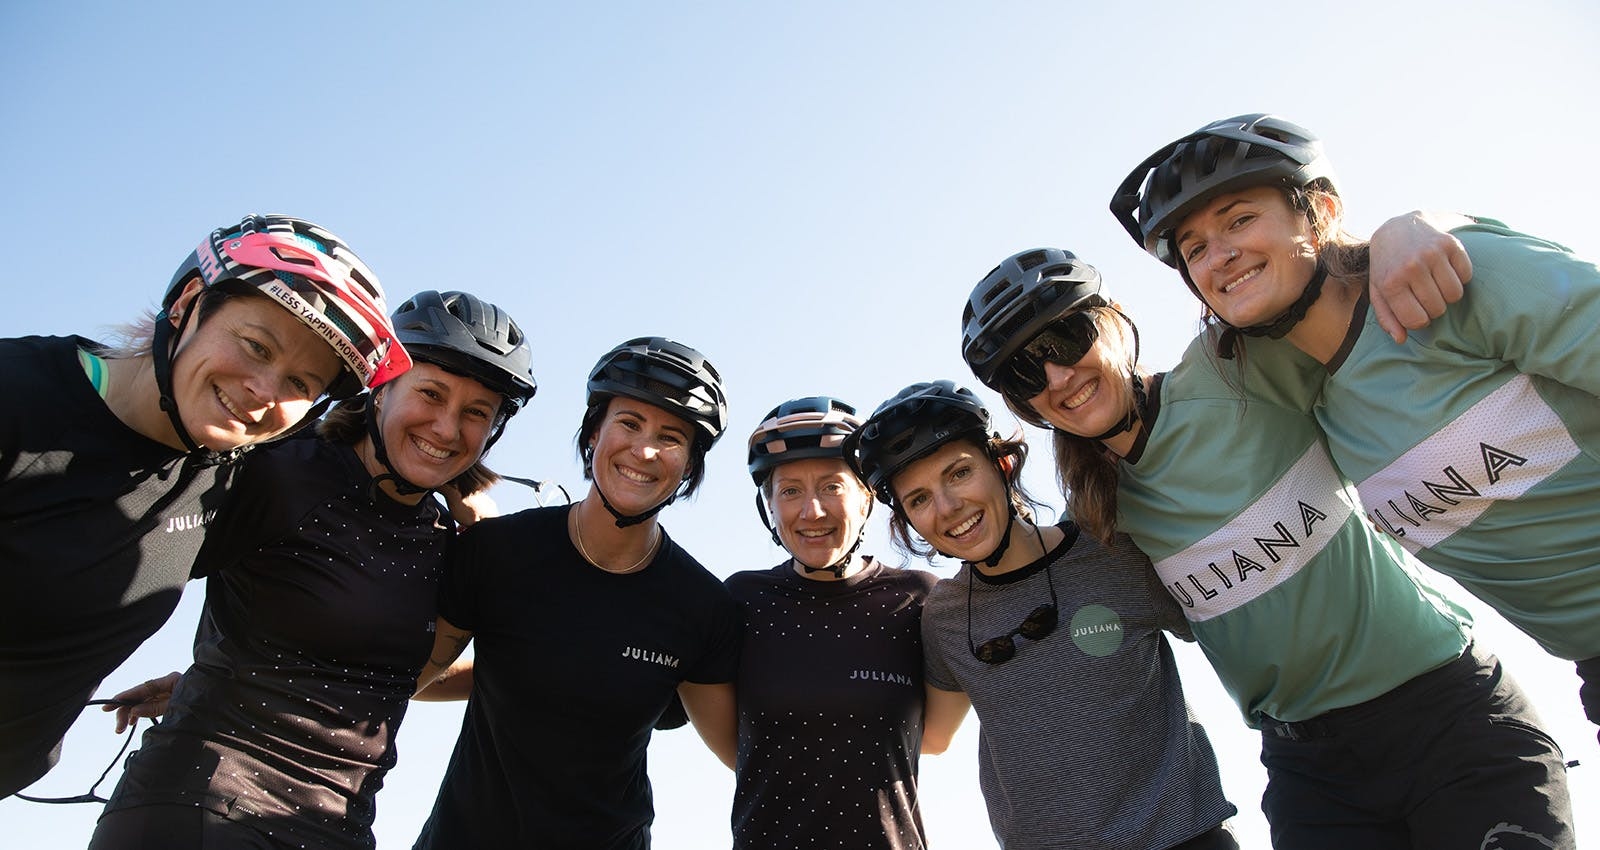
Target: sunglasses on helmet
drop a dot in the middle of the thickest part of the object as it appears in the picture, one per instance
(1063, 342)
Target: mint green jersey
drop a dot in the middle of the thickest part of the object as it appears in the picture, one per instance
(1300, 606)
(1476, 444)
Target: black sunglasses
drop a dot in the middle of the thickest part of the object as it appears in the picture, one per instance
(1036, 626)
(1063, 342)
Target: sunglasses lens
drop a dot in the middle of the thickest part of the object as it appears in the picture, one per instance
(995, 651)
(1063, 343)
(1039, 624)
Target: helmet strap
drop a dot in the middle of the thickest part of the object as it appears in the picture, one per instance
(165, 343)
(624, 520)
(1141, 403)
(375, 434)
(1284, 322)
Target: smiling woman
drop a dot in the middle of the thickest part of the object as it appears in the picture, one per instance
(615, 617)
(106, 450)
(1323, 632)
(1114, 760)
(322, 575)
(833, 711)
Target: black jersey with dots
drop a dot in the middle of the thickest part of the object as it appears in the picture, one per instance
(98, 527)
(830, 701)
(320, 607)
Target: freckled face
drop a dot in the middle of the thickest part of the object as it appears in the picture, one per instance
(956, 499)
(819, 508)
(248, 372)
(1249, 254)
(435, 424)
(641, 454)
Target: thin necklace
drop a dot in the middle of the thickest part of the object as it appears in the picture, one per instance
(577, 537)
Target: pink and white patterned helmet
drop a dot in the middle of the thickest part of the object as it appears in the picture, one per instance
(311, 273)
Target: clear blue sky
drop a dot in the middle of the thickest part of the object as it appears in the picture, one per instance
(806, 192)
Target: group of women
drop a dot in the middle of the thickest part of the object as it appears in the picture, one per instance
(1265, 498)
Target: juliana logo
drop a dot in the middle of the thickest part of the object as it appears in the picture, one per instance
(638, 654)
(189, 522)
(880, 676)
(1097, 630)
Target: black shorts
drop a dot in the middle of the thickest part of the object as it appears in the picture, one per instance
(1454, 758)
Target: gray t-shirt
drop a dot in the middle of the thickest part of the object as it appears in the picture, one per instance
(1085, 738)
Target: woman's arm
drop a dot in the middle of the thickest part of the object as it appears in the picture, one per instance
(443, 677)
(942, 713)
(1417, 269)
(713, 709)
(145, 700)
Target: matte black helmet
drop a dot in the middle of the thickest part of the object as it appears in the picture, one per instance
(1223, 156)
(669, 375)
(465, 334)
(1016, 300)
(799, 429)
(910, 426)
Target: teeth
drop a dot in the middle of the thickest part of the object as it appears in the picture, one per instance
(632, 475)
(228, 403)
(430, 450)
(966, 526)
(817, 533)
(1240, 279)
(1084, 394)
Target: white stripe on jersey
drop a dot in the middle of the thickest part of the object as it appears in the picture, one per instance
(1266, 544)
(1496, 450)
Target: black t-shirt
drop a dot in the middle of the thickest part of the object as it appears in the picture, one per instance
(320, 610)
(98, 527)
(830, 710)
(572, 667)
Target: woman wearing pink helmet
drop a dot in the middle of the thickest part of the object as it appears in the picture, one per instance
(113, 459)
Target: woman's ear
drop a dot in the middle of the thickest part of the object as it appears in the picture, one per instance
(187, 300)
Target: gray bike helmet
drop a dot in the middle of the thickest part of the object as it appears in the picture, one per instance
(1223, 156)
(1019, 298)
(465, 334)
(669, 375)
(910, 426)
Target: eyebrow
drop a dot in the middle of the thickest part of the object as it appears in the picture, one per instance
(278, 345)
(665, 426)
(1223, 210)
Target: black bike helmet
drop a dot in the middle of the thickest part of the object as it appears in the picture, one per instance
(910, 426)
(1223, 156)
(1016, 300)
(669, 375)
(799, 429)
(465, 334)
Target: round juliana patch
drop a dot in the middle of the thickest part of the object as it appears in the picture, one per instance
(1097, 630)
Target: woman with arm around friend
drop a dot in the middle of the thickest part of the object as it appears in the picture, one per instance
(1052, 636)
(112, 460)
(1382, 725)
(586, 620)
(322, 579)
(1487, 472)
(831, 707)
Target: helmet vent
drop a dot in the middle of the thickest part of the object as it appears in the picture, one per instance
(1032, 260)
